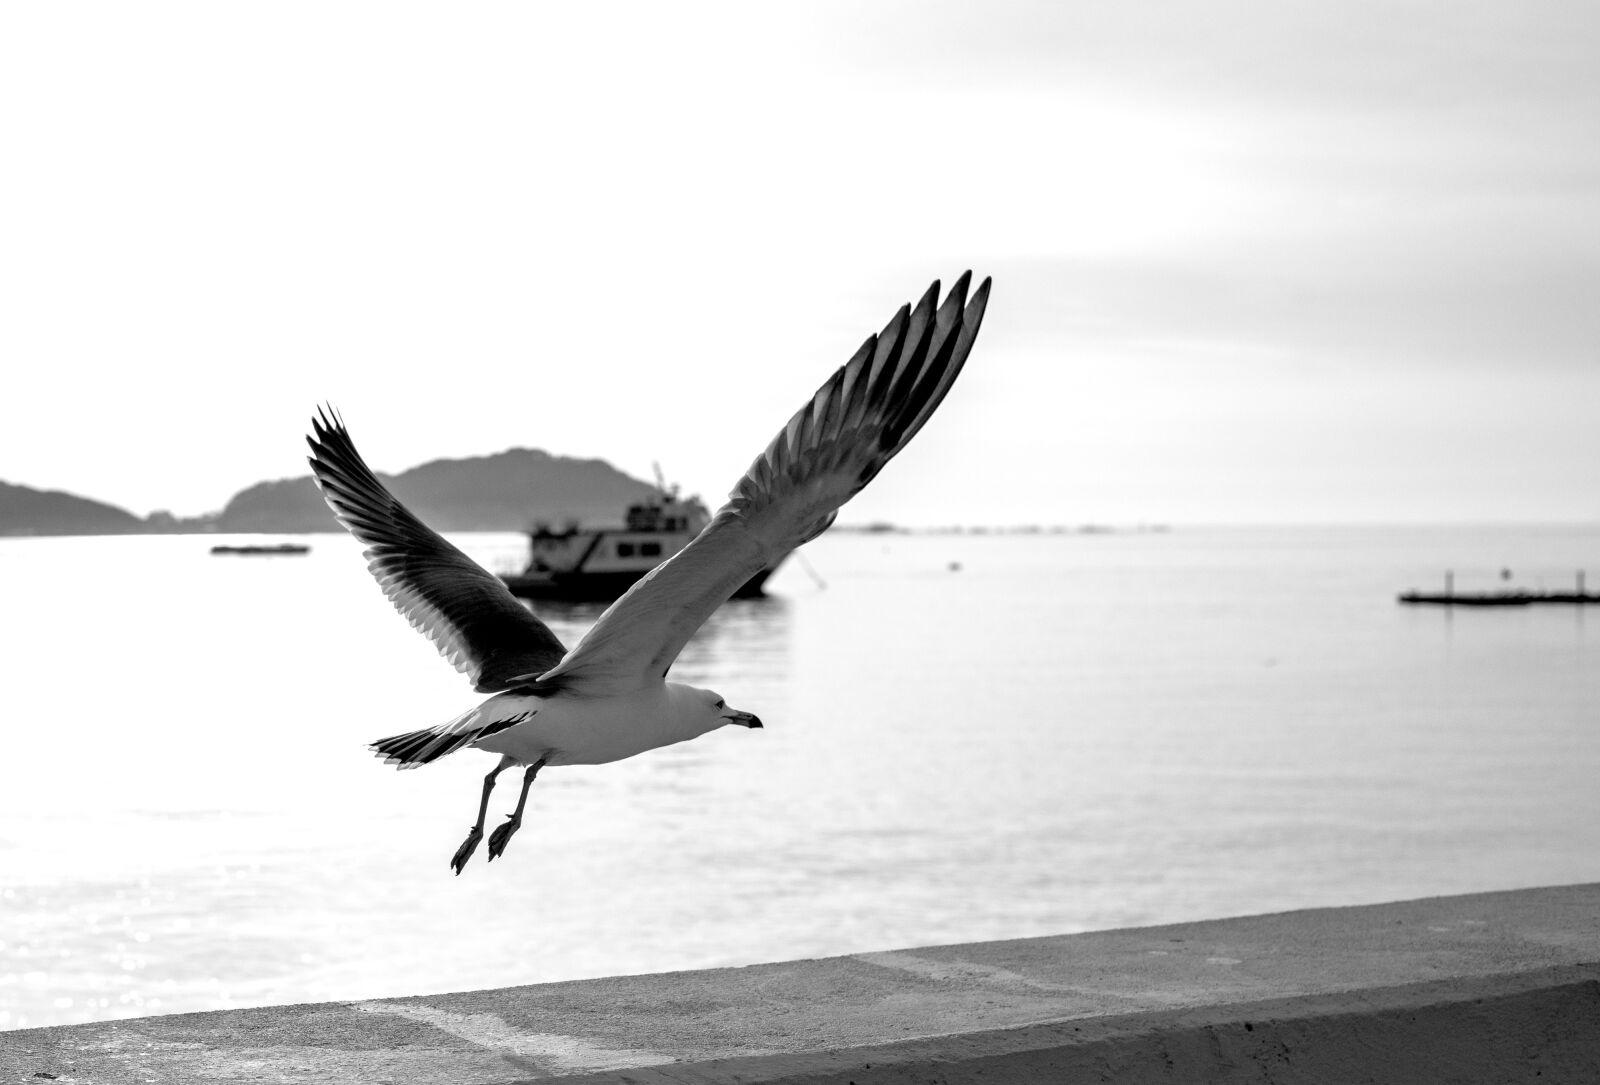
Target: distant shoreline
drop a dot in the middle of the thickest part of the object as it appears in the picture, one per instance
(837, 529)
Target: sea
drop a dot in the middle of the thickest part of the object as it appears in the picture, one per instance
(968, 736)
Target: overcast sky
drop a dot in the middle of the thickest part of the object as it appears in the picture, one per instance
(1253, 261)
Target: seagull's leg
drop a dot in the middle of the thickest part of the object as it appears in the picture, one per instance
(470, 844)
(501, 836)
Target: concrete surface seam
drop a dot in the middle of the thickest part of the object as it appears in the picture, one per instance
(960, 972)
(562, 1053)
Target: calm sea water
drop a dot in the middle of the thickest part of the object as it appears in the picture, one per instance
(1065, 733)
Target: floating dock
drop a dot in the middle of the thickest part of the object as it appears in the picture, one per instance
(1497, 598)
(258, 549)
(1506, 597)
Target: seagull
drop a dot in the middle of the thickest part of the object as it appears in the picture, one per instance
(608, 698)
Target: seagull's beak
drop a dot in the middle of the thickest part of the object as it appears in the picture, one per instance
(743, 719)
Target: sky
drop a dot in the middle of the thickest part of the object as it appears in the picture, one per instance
(1253, 260)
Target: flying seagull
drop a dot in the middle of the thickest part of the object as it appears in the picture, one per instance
(608, 698)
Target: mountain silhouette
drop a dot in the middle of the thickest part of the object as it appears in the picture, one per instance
(504, 492)
(26, 511)
(508, 491)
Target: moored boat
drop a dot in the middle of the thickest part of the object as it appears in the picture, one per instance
(602, 563)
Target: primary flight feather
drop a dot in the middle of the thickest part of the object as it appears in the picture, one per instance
(608, 697)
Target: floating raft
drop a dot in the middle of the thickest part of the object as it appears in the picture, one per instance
(1497, 598)
(1505, 597)
(281, 548)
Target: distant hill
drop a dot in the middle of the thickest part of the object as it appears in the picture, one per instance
(508, 491)
(26, 511)
(504, 492)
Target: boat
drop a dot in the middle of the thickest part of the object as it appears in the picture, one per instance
(599, 564)
(257, 549)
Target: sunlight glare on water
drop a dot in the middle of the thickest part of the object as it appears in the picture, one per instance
(1067, 732)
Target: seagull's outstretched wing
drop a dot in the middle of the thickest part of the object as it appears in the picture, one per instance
(464, 609)
(832, 448)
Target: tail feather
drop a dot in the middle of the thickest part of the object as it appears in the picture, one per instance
(414, 748)
(418, 747)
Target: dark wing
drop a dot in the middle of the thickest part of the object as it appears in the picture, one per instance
(833, 447)
(463, 608)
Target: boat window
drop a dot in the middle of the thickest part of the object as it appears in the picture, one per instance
(650, 550)
(624, 550)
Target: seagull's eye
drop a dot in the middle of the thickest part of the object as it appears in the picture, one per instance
(718, 706)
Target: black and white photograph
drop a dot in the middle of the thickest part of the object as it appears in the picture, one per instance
(833, 542)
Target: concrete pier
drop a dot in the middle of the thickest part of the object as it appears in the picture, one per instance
(1496, 987)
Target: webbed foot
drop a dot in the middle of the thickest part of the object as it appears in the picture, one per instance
(464, 852)
(502, 836)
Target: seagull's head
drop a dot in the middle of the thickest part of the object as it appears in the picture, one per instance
(706, 710)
